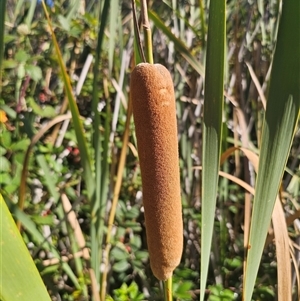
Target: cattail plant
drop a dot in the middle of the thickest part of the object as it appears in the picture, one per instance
(154, 112)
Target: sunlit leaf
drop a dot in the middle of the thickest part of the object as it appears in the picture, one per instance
(19, 277)
(212, 130)
(278, 131)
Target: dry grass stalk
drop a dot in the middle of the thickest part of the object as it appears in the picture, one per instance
(154, 112)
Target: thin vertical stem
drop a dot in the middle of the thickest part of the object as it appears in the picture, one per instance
(168, 289)
(147, 32)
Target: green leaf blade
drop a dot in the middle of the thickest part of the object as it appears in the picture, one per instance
(19, 277)
(82, 143)
(212, 130)
(278, 131)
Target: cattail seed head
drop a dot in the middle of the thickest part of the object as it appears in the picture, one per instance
(154, 113)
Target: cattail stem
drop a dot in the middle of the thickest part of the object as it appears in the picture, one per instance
(168, 289)
(147, 32)
(154, 113)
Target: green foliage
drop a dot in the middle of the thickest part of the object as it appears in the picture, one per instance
(11, 157)
(281, 119)
(212, 129)
(19, 279)
(218, 293)
(127, 293)
(181, 290)
(72, 167)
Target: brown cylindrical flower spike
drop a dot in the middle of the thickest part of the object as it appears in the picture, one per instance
(154, 113)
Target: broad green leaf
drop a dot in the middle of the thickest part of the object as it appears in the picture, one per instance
(121, 266)
(5, 178)
(19, 277)
(212, 129)
(5, 139)
(2, 151)
(20, 145)
(34, 72)
(47, 111)
(21, 56)
(184, 287)
(278, 131)
(119, 254)
(64, 22)
(8, 110)
(5, 164)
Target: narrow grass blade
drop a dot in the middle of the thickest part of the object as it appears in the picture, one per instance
(280, 230)
(116, 195)
(85, 156)
(95, 100)
(212, 129)
(2, 29)
(101, 154)
(177, 42)
(41, 241)
(278, 130)
(35, 139)
(30, 13)
(113, 25)
(19, 277)
(17, 10)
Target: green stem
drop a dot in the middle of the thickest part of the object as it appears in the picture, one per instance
(168, 289)
(147, 32)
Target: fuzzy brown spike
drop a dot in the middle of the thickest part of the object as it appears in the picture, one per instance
(154, 112)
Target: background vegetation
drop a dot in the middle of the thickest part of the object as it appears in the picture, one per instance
(63, 192)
